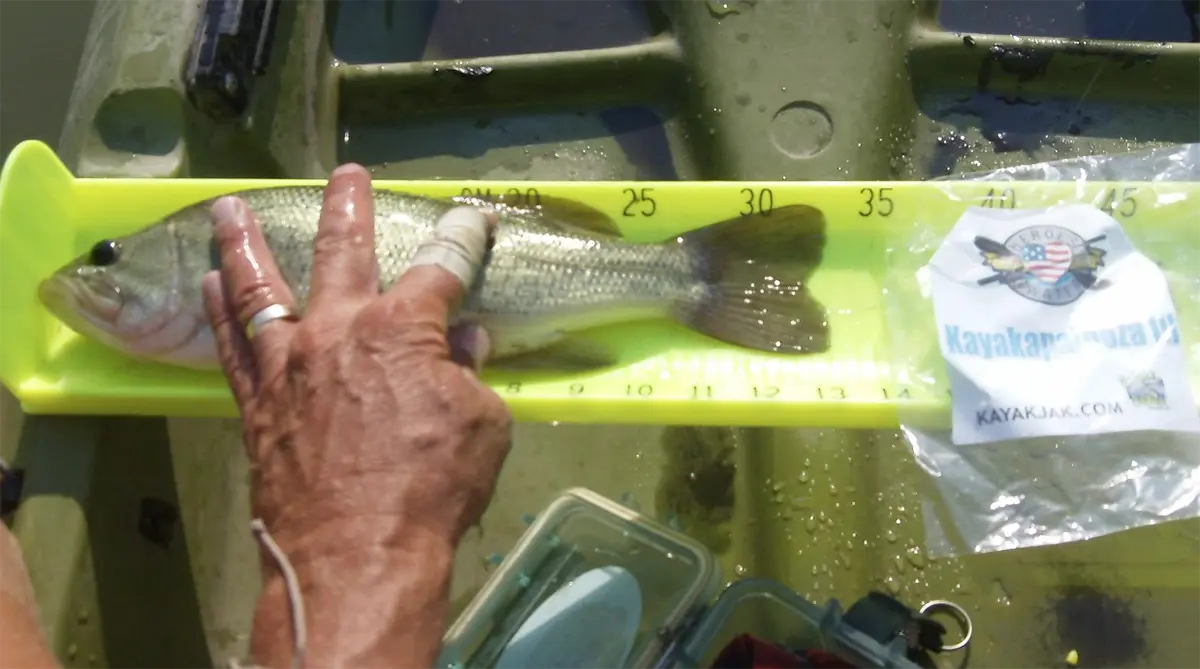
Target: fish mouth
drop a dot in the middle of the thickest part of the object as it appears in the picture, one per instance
(62, 299)
(57, 296)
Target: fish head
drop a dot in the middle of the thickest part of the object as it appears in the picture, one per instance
(138, 294)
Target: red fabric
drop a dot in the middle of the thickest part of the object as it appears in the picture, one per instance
(819, 658)
(749, 652)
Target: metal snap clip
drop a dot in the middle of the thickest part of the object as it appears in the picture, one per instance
(957, 612)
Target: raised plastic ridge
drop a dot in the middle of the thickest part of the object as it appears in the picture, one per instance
(668, 374)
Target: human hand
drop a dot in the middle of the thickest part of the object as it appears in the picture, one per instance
(363, 424)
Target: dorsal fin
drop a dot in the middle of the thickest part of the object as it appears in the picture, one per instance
(568, 215)
(572, 214)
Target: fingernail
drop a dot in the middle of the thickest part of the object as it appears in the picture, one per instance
(229, 208)
(348, 169)
(480, 346)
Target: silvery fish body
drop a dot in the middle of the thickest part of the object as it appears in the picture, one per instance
(543, 279)
(554, 270)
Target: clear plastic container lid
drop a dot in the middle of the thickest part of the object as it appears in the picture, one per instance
(590, 584)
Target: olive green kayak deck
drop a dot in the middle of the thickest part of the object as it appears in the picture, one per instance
(135, 528)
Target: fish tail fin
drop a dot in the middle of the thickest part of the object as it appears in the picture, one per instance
(754, 269)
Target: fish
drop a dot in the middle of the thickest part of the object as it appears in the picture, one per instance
(555, 269)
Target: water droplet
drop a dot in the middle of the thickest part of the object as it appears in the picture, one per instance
(815, 570)
(832, 490)
(891, 536)
(901, 565)
(777, 487)
(1000, 594)
(807, 463)
(893, 586)
(740, 570)
(83, 616)
(811, 525)
(720, 9)
(916, 559)
(803, 477)
(72, 649)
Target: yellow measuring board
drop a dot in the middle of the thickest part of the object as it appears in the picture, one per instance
(668, 375)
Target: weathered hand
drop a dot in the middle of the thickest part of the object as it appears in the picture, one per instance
(366, 429)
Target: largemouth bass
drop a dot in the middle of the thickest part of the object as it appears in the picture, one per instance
(554, 270)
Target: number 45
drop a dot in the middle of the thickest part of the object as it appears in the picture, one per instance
(1120, 204)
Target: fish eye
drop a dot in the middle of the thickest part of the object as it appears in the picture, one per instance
(105, 253)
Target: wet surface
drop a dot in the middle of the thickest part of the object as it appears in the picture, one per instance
(400, 31)
(628, 142)
(1035, 130)
(1141, 20)
(1080, 610)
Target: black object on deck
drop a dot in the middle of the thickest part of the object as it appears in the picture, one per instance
(231, 48)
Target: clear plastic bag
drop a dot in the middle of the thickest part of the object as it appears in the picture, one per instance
(1172, 163)
(1041, 491)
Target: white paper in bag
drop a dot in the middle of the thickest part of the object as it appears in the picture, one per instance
(1051, 323)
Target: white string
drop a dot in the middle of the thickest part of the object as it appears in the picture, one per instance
(295, 598)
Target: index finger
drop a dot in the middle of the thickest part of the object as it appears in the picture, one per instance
(445, 266)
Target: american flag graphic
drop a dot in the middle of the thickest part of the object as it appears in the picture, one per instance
(1047, 262)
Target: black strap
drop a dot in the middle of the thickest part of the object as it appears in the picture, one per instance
(885, 618)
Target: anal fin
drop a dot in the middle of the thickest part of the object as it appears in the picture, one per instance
(570, 355)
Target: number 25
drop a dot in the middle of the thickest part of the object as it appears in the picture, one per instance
(640, 197)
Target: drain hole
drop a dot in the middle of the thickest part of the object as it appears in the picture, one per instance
(145, 122)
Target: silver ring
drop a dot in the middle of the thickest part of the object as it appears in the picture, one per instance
(958, 612)
(271, 312)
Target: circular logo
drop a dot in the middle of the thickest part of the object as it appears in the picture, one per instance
(1047, 253)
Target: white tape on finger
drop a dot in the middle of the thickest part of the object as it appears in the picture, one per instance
(459, 244)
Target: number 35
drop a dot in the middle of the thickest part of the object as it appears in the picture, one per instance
(876, 202)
